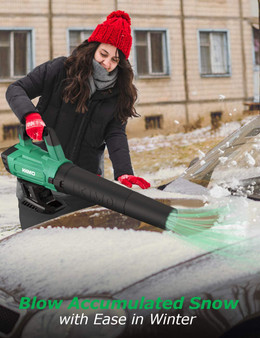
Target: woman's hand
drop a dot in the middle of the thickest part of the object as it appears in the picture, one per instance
(129, 180)
(34, 126)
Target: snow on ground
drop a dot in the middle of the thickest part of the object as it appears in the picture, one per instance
(9, 219)
(202, 134)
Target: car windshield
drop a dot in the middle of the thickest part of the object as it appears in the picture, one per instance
(233, 163)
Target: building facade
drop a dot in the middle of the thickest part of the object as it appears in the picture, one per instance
(191, 58)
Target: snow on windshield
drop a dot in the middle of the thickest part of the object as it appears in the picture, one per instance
(243, 163)
(234, 163)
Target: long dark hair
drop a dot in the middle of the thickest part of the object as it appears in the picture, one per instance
(79, 67)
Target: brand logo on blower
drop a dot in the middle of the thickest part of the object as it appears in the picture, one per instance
(29, 172)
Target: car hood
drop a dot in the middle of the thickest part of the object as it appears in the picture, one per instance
(54, 260)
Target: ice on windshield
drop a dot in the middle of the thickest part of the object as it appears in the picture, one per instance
(243, 163)
(234, 163)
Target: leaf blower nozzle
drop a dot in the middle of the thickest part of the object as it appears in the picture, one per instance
(75, 181)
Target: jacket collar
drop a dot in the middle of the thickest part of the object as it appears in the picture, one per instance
(105, 94)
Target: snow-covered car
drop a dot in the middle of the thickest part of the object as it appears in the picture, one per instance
(97, 273)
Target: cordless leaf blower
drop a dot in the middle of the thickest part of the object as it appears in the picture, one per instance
(42, 171)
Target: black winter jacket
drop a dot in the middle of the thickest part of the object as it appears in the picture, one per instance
(82, 136)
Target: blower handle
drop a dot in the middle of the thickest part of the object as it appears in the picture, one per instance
(53, 145)
(25, 140)
(51, 141)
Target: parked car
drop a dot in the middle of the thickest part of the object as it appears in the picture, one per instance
(162, 284)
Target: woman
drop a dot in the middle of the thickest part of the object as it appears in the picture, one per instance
(87, 99)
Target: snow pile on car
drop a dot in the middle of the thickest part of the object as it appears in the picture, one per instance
(54, 262)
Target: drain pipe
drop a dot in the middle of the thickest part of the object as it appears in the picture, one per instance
(184, 63)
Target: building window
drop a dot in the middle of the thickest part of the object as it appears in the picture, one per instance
(10, 131)
(256, 37)
(76, 36)
(151, 53)
(153, 122)
(214, 56)
(15, 53)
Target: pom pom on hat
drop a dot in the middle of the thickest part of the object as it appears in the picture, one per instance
(115, 31)
(120, 14)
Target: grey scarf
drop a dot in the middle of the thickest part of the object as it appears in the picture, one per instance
(101, 79)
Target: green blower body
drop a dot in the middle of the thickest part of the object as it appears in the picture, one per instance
(41, 171)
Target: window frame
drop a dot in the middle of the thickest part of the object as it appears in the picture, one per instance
(76, 29)
(30, 51)
(255, 65)
(155, 120)
(227, 49)
(166, 55)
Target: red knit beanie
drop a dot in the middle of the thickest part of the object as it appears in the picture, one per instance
(115, 31)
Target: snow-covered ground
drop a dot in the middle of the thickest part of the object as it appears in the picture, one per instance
(198, 135)
(9, 221)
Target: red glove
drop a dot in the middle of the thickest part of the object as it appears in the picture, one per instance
(128, 180)
(34, 126)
